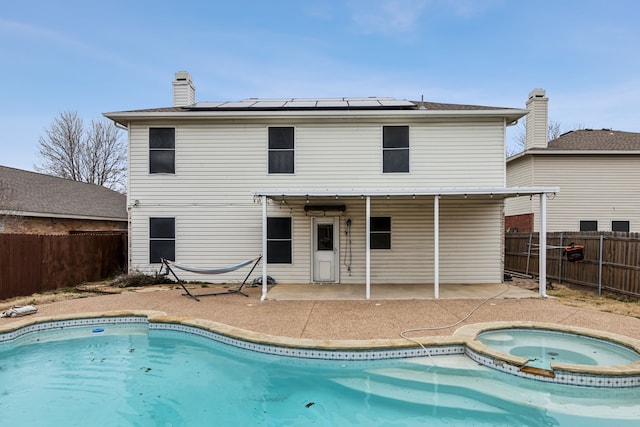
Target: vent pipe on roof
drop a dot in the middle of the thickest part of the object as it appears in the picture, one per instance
(537, 120)
(184, 92)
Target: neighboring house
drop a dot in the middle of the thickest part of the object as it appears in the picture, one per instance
(344, 190)
(34, 203)
(598, 172)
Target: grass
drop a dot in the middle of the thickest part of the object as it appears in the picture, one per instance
(578, 296)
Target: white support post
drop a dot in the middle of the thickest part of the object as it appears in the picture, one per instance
(542, 256)
(436, 247)
(367, 282)
(264, 248)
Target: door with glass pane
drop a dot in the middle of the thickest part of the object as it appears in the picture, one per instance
(325, 249)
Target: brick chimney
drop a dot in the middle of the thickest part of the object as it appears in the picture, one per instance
(537, 120)
(184, 92)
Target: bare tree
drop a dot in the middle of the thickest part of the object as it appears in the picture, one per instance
(96, 154)
(554, 131)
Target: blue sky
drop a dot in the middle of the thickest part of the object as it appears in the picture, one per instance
(94, 57)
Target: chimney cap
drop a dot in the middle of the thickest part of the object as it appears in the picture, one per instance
(537, 93)
(183, 75)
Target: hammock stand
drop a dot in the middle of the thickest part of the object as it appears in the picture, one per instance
(167, 264)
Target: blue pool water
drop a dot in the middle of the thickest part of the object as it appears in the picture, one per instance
(131, 376)
(558, 347)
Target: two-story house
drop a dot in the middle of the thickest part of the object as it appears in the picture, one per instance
(598, 172)
(341, 190)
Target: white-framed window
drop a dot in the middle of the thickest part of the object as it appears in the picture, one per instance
(395, 149)
(620, 226)
(588, 225)
(162, 239)
(380, 232)
(281, 150)
(279, 243)
(162, 150)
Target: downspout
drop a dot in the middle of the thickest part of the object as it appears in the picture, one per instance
(264, 248)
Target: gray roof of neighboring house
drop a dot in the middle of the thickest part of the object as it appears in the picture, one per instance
(25, 192)
(600, 140)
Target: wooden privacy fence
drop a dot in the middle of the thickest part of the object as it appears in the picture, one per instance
(611, 259)
(37, 263)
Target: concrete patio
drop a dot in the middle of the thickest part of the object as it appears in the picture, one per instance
(321, 318)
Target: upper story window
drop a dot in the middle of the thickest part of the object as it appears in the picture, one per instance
(588, 225)
(281, 150)
(620, 226)
(162, 239)
(395, 149)
(380, 232)
(162, 150)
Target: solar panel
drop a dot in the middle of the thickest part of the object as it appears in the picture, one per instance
(238, 104)
(363, 103)
(308, 103)
(269, 104)
(206, 104)
(300, 104)
(396, 103)
(332, 103)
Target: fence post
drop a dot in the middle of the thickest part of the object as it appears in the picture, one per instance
(528, 253)
(600, 266)
(560, 259)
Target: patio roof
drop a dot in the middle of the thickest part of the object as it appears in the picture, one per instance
(435, 193)
(405, 192)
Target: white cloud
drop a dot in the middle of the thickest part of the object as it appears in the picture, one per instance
(387, 16)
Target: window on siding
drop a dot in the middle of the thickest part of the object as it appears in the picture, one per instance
(395, 149)
(162, 150)
(620, 226)
(162, 239)
(588, 225)
(380, 232)
(279, 240)
(281, 150)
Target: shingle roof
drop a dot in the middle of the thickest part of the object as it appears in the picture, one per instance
(602, 140)
(31, 192)
(317, 104)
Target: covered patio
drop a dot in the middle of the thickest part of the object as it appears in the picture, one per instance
(435, 194)
(317, 292)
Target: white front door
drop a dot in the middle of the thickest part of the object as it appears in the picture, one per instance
(326, 254)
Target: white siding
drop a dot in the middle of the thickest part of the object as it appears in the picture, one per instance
(218, 223)
(520, 174)
(602, 188)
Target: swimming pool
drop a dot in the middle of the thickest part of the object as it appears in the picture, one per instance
(125, 371)
(549, 346)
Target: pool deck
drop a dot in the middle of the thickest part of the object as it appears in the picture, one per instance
(340, 312)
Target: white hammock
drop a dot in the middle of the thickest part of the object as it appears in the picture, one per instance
(168, 264)
(220, 270)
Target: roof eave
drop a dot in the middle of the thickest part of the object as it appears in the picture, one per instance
(418, 191)
(124, 117)
(62, 216)
(551, 152)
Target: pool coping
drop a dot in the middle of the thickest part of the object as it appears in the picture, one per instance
(463, 341)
